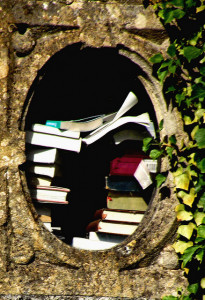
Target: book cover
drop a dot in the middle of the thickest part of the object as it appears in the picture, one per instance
(45, 193)
(119, 215)
(55, 131)
(121, 228)
(126, 201)
(53, 141)
(50, 170)
(122, 184)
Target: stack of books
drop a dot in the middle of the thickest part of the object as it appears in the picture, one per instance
(124, 203)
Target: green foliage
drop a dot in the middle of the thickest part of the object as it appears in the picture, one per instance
(182, 74)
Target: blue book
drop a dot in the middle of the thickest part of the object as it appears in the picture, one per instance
(122, 184)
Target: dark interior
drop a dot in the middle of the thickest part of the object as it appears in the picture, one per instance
(78, 82)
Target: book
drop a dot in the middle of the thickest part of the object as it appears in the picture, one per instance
(128, 216)
(112, 227)
(50, 170)
(122, 184)
(43, 155)
(53, 141)
(86, 244)
(134, 134)
(50, 194)
(93, 122)
(142, 119)
(126, 201)
(55, 131)
(39, 180)
(82, 125)
(106, 237)
(126, 164)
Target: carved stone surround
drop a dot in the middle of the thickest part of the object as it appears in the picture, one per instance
(32, 260)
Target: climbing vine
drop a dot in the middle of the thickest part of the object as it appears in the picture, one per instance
(181, 70)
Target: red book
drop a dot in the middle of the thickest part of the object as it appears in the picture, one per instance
(126, 165)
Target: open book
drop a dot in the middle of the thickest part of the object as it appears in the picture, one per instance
(93, 122)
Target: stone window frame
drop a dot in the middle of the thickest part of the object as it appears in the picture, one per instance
(147, 240)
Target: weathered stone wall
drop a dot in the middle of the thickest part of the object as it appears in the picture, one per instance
(32, 260)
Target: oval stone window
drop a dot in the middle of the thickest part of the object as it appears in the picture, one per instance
(95, 193)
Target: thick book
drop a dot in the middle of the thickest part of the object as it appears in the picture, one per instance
(126, 164)
(126, 201)
(112, 227)
(55, 131)
(87, 244)
(128, 216)
(50, 170)
(53, 141)
(50, 194)
(122, 184)
(43, 155)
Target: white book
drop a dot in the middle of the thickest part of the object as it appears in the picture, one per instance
(45, 170)
(53, 141)
(43, 155)
(106, 237)
(86, 244)
(55, 131)
(57, 194)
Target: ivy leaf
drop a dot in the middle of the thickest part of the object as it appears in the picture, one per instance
(187, 198)
(198, 91)
(157, 58)
(188, 254)
(200, 255)
(171, 50)
(170, 89)
(162, 75)
(202, 283)
(146, 144)
(181, 246)
(161, 124)
(178, 3)
(201, 165)
(190, 3)
(201, 231)
(193, 288)
(184, 215)
(200, 138)
(160, 178)
(172, 139)
(154, 153)
(169, 151)
(198, 217)
(182, 181)
(186, 230)
(201, 203)
(180, 98)
(202, 70)
(191, 52)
